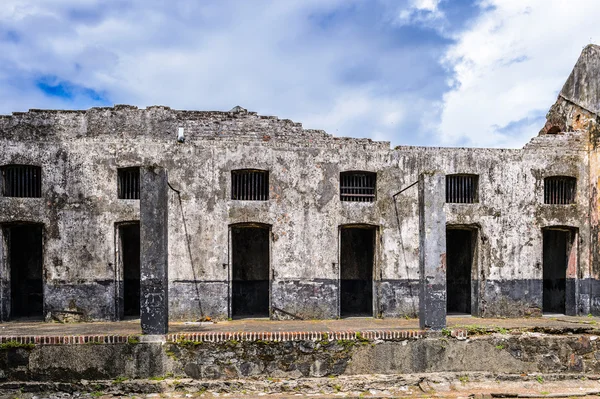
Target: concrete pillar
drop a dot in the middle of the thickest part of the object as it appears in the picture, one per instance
(154, 289)
(432, 251)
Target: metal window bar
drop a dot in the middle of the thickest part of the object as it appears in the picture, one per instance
(22, 181)
(357, 186)
(461, 189)
(129, 183)
(250, 185)
(559, 190)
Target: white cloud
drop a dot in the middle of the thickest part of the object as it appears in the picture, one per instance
(509, 66)
(351, 67)
(267, 56)
(420, 12)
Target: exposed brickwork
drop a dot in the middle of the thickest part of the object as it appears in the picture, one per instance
(215, 337)
(459, 333)
(387, 335)
(67, 340)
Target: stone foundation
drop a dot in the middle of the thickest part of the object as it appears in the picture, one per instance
(221, 355)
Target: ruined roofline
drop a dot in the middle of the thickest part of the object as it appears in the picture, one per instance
(259, 125)
(122, 107)
(439, 148)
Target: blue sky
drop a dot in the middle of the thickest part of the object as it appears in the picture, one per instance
(414, 72)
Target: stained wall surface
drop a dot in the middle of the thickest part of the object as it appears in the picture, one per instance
(80, 151)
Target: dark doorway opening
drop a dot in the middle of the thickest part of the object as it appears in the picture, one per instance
(357, 255)
(557, 244)
(129, 235)
(460, 254)
(25, 248)
(250, 264)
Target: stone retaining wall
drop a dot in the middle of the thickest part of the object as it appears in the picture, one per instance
(293, 354)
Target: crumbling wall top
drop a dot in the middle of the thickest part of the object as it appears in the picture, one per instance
(161, 122)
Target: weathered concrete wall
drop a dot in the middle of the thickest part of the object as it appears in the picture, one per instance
(321, 356)
(80, 152)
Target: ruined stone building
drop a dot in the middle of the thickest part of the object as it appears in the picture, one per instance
(267, 219)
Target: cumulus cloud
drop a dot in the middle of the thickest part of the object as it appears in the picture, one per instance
(413, 72)
(508, 67)
(338, 65)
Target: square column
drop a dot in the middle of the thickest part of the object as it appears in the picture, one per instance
(154, 289)
(432, 251)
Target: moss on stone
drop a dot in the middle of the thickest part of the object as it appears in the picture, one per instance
(15, 344)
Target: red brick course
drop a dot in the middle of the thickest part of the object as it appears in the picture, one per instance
(215, 337)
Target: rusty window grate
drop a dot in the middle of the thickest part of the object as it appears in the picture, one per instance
(358, 186)
(462, 189)
(129, 183)
(22, 181)
(249, 185)
(559, 190)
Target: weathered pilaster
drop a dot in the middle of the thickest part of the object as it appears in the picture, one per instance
(432, 251)
(154, 250)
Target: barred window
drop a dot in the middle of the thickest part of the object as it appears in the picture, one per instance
(462, 189)
(22, 181)
(559, 190)
(358, 186)
(250, 185)
(129, 183)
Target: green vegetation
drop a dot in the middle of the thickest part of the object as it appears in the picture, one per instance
(188, 343)
(15, 344)
(97, 394)
(446, 332)
(133, 340)
(500, 347)
(120, 379)
(324, 339)
(475, 329)
(162, 378)
(170, 353)
(463, 379)
(346, 343)
(263, 342)
(360, 338)
(539, 379)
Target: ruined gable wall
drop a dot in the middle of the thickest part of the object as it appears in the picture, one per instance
(577, 112)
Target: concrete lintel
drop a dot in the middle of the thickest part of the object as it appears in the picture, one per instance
(432, 250)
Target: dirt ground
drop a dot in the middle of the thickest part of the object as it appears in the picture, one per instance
(131, 327)
(434, 386)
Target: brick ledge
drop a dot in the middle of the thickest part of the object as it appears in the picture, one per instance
(216, 337)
